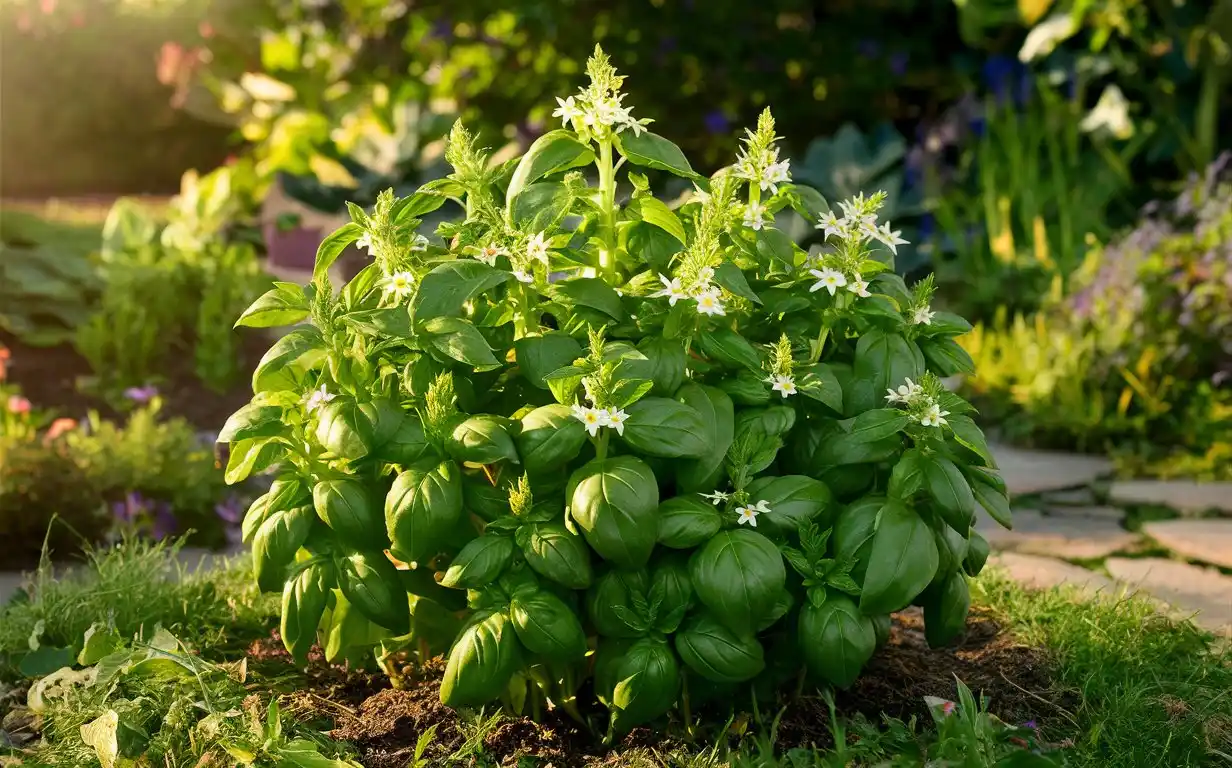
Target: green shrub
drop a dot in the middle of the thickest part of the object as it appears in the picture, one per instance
(1137, 357)
(667, 430)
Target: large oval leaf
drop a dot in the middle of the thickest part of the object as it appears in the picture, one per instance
(836, 640)
(659, 426)
(611, 599)
(371, 584)
(951, 492)
(902, 562)
(738, 575)
(718, 414)
(479, 563)
(647, 683)
(687, 521)
(483, 658)
(716, 653)
(481, 440)
(793, 500)
(347, 507)
(555, 553)
(552, 152)
(422, 509)
(549, 439)
(613, 502)
(303, 604)
(547, 626)
(275, 543)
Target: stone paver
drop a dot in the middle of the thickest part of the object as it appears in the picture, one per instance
(1182, 495)
(1071, 537)
(1076, 497)
(1046, 572)
(1102, 513)
(1208, 540)
(1203, 593)
(1038, 471)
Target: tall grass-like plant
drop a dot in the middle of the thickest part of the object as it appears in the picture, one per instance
(591, 422)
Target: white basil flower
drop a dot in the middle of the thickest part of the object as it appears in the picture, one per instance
(365, 243)
(708, 302)
(934, 416)
(672, 289)
(524, 276)
(762, 506)
(905, 393)
(890, 239)
(785, 385)
(754, 216)
(775, 174)
(705, 276)
(922, 316)
(400, 285)
(568, 110)
(490, 252)
(419, 243)
(593, 419)
(859, 288)
(616, 418)
(747, 516)
(827, 278)
(318, 397)
(537, 248)
(831, 225)
(716, 498)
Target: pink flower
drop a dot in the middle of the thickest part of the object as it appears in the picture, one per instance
(18, 404)
(48, 7)
(78, 19)
(205, 29)
(24, 22)
(59, 427)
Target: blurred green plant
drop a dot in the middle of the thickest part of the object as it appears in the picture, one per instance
(1136, 356)
(1018, 209)
(46, 279)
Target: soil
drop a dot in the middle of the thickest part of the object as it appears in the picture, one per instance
(49, 376)
(384, 723)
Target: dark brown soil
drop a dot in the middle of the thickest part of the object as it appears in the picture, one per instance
(384, 723)
(49, 376)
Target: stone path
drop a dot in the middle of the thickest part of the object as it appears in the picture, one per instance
(1070, 519)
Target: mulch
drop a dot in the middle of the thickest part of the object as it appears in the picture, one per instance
(49, 377)
(384, 723)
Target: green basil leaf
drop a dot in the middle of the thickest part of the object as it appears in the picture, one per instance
(971, 437)
(284, 304)
(907, 477)
(372, 585)
(946, 357)
(479, 563)
(718, 654)
(283, 365)
(730, 349)
(540, 207)
(730, 277)
(746, 388)
(945, 324)
(671, 591)
(951, 492)
(564, 382)
(760, 432)
(902, 562)
(648, 684)
(977, 554)
(539, 356)
(738, 575)
(546, 626)
(333, 246)
(422, 508)
(664, 365)
(945, 610)
(989, 490)
(613, 502)
(550, 437)
(252, 420)
(718, 415)
(776, 244)
(589, 292)
(555, 553)
(481, 440)
(347, 507)
(275, 543)
(878, 424)
(552, 152)
(408, 444)
(481, 661)
(687, 521)
(825, 389)
(253, 455)
(344, 430)
(448, 287)
(385, 323)
(653, 246)
(612, 591)
(836, 640)
(659, 426)
(650, 150)
(793, 501)
(883, 360)
(654, 211)
(853, 534)
(460, 340)
(303, 605)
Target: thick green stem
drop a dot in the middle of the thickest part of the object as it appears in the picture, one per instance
(601, 446)
(607, 205)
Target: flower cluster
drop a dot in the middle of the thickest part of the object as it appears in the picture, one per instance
(782, 367)
(595, 418)
(858, 223)
(596, 111)
(758, 163)
(920, 312)
(700, 289)
(920, 401)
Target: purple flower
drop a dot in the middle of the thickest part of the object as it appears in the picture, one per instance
(898, 63)
(230, 511)
(164, 523)
(128, 510)
(141, 395)
(716, 121)
(1031, 725)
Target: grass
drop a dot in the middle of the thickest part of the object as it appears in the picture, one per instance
(134, 587)
(1152, 691)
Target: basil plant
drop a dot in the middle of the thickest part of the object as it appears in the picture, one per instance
(660, 447)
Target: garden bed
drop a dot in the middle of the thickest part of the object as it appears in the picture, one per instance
(385, 724)
(51, 376)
